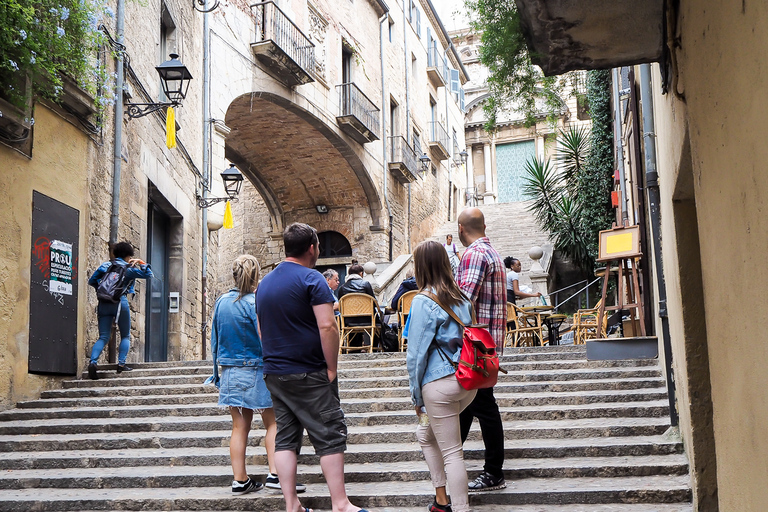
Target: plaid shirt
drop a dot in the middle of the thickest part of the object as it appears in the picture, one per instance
(482, 278)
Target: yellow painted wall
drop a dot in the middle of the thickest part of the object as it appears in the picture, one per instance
(57, 169)
(723, 71)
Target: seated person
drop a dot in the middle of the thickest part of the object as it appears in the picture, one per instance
(332, 278)
(408, 284)
(356, 284)
(513, 281)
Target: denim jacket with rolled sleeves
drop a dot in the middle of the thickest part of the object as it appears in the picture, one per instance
(427, 322)
(234, 333)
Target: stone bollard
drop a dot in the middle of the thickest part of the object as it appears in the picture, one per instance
(370, 269)
(537, 273)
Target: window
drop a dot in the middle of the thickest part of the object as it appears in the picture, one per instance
(455, 145)
(455, 83)
(346, 63)
(393, 120)
(390, 29)
(461, 99)
(414, 17)
(416, 142)
(414, 67)
(333, 245)
(168, 43)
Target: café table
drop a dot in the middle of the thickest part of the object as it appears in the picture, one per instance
(551, 320)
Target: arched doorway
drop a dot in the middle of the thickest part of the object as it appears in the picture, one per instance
(335, 253)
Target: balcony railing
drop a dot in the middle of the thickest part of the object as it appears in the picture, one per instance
(359, 116)
(439, 141)
(282, 46)
(437, 68)
(403, 162)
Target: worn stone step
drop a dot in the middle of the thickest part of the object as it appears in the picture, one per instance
(532, 429)
(218, 419)
(613, 507)
(356, 453)
(589, 490)
(373, 472)
(206, 404)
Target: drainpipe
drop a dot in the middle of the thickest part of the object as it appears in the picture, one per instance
(407, 108)
(206, 172)
(652, 187)
(619, 142)
(114, 220)
(384, 110)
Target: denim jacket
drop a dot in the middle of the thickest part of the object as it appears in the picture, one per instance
(427, 322)
(235, 337)
(132, 273)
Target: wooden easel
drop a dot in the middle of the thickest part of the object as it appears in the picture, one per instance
(625, 252)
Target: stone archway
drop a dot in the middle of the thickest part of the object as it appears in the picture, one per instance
(298, 163)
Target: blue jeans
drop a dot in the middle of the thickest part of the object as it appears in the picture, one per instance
(106, 313)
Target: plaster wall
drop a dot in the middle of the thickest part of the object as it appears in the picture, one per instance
(58, 169)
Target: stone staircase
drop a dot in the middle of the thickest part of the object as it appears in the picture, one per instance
(581, 436)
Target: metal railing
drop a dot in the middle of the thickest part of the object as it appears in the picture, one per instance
(437, 133)
(272, 24)
(436, 60)
(402, 152)
(584, 290)
(355, 103)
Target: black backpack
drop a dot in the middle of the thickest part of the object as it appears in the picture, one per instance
(113, 285)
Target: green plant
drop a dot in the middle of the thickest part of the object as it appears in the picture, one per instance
(45, 40)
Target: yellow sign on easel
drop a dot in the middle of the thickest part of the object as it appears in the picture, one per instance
(620, 242)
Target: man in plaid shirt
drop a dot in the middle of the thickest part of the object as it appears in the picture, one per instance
(482, 278)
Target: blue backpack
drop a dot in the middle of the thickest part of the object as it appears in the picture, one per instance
(114, 284)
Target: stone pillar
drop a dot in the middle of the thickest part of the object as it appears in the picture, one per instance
(488, 196)
(470, 179)
(494, 170)
(538, 275)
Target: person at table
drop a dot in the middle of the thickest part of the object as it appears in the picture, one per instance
(332, 278)
(513, 281)
(408, 284)
(356, 284)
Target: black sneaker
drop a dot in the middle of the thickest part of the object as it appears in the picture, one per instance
(487, 482)
(246, 487)
(440, 508)
(92, 371)
(274, 483)
(123, 368)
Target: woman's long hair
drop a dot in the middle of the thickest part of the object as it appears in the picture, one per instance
(245, 271)
(433, 270)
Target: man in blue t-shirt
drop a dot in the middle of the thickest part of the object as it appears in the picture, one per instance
(300, 341)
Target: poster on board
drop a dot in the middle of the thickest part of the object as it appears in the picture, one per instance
(61, 268)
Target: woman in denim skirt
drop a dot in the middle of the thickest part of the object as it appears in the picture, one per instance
(236, 346)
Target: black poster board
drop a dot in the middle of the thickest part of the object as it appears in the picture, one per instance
(53, 312)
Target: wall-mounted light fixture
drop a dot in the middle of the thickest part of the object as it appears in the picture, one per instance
(321, 208)
(233, 181)
(424, 160)
(464, 155)
(200, 6)
(175, 78)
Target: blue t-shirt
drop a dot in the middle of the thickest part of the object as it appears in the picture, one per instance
(290, 337)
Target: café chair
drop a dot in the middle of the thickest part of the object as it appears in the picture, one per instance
(523, 329)
(359, 309)
(585, 325)
(403, 308)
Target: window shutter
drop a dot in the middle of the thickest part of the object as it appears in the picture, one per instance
(455, 82)
(461, 99)
(418, 23)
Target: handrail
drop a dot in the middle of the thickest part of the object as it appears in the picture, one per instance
(354, 102)
(273, 24)
(577, 293)
(438, 133)
(569, 286)
(435, 60)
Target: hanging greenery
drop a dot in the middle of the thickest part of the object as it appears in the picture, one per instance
(44, 40)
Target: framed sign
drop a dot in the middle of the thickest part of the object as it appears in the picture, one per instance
(617, 243)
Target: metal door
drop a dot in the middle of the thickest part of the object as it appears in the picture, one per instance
(53, 287)
(156, 331)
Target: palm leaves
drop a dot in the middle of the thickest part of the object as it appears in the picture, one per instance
(555, 204)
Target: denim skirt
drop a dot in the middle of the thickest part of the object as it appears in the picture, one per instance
(243, 386)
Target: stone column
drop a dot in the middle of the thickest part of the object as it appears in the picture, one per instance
(494, 170)
(470, 177)
(488, 196)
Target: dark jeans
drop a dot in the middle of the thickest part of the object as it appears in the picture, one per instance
(106, 312)
(484, 408)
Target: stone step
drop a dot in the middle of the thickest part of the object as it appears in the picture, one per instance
(531, 429)
(516, 470)
(355, 454)
(540, 491)
(222, 421)
(395, 367)
(573, 385)
(400, 380)
(614, 507)
(206, 404)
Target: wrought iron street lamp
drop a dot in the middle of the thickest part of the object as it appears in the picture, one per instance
(175, 78)
(200, 6)
(464, 155)
(233, 182)
(424, 160)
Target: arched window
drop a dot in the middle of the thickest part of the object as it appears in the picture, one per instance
(334, 245)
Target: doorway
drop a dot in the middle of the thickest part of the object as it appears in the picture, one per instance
(156, 331)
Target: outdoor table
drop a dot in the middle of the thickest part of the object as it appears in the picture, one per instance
(551, 320)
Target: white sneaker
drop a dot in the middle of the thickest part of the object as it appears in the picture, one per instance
(274, 483)
(246, 487)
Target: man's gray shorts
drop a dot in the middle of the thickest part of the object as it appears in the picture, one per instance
(308, 401)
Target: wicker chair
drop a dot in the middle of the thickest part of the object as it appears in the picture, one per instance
(526, 331)
(403, 308)
(585, 325)
(361, 309)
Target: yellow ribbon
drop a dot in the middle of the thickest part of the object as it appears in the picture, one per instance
(229, 223)
(170, 128)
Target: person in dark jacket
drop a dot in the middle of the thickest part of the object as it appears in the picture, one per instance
(408, 284)
(355, 283)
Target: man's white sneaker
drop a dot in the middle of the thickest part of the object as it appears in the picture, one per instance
(274, 483)
(246, 487)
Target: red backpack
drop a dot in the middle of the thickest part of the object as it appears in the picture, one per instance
(478, 365)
